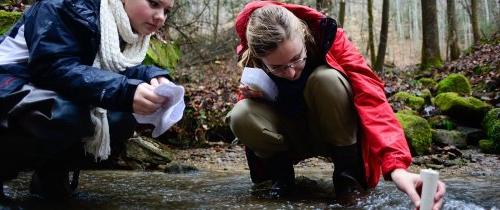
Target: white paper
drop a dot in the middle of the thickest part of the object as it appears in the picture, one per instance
(430, 180)
(257, 79)
(170, 113)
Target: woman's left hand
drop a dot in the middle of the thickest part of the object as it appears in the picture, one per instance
(411, 184)
(157, 81)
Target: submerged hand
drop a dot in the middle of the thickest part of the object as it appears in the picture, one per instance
(248, 92)
(411, 184)
(145, 100)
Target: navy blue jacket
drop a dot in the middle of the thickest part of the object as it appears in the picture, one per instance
(63, 38)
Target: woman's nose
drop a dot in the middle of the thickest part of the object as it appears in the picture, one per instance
(159, 17)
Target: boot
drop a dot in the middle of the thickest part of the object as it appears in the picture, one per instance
(54, 184)
(259, 170)
(348, 176)
(283, 175)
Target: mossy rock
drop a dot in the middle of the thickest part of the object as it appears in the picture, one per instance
(408, 111)
(417, 131)
(427, 83)
(457, 83)
(442, 122)
(414, 102)
(464, 110)
(447, 137)
(7, 19)
(491, 124)
(487, 146)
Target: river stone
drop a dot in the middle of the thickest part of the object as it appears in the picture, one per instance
(146, 153)
(453, 137)
(473, 135)
(177, 168)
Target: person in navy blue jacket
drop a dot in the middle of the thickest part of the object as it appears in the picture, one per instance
(70, 79)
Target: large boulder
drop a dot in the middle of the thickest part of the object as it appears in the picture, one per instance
(417, 132)
(454, 138)
(427, 83)
(491, 125)
(465, 110)
(457, 83)
(7, 19)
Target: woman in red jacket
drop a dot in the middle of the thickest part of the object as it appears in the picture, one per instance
(330, 103)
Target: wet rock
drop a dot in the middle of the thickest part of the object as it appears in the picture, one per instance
(455, 138)
(473, 135)
(176, 168)
(142, 153)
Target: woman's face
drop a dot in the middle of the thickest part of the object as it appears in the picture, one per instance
(288, 60)
(147, 16)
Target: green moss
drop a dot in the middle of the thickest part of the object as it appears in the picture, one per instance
(487, 146)
(457, 83)
(412, 101)
(491, 124)
(408, 111)
(427, 83)
(7, 19)
(435, 62)
(447, 101)
(480, 70)
(417, 131)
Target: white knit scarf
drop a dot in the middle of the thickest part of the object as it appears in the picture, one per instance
(114, 24)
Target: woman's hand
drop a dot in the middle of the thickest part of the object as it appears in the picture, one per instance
(146, 101)
(411, 184)
(248, 92)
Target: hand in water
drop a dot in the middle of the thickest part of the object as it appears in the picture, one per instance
(411, 184)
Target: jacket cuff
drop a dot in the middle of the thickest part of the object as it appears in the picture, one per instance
(129, 94)
(391, 164)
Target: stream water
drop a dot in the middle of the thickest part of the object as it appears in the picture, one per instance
(233, 190)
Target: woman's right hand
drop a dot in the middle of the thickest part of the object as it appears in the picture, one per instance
(145, 100)
(248, 92)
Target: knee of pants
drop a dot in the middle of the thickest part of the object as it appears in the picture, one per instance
(254, 124)
(327, 80)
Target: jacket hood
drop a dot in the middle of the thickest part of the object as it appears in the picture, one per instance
(307, 14)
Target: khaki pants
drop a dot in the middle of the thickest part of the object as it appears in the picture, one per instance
(330, 120)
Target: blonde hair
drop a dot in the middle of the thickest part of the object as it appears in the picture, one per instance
(268, 27)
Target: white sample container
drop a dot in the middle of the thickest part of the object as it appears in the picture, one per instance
(430, 180)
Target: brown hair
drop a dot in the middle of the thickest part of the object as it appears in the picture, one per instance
(268, 27)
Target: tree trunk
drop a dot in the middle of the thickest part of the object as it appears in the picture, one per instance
(382, 45)
(323, 6)
(453, 46)
(474, 20)
(431, 56)
(342, 12)
(371, 44)
(216, 22)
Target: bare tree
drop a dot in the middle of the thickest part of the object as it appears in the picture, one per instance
(474, 20)
(454, 48)
(371, 44)
(342, 12)
(431, 56)
(382, 45)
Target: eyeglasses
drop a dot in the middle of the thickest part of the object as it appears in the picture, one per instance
(283, 68)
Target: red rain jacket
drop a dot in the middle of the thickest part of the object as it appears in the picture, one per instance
(384, 145)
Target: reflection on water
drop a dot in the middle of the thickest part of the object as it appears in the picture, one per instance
(210, 190)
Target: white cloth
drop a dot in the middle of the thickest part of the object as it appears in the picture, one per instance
(258, 80)
(170, 113)
(114, 24)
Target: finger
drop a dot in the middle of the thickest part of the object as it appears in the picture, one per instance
(147, 107)
(153, 97)
(163, 80)
(441, 190)
(154, 82)
(414, 197)
(437, 205)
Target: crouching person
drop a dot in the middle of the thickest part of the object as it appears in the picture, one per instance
(70, 79)
(330, 103)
